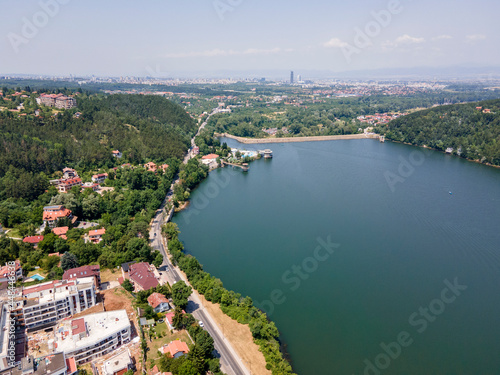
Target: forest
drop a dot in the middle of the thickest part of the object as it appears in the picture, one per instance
(472, 130)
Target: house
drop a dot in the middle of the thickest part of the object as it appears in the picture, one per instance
(84, 271)
(210, 160)
(175, 348)
(95, 235)
(196, 150)
(90, 185)
(116, 154)
(12, 271)
(142, 276)
(163, 167)
(61, 232)
(66, 185)
(34, 240)
(151, 167)
(158, 302)
(69, 173)
(99, 178)
(169, 317)
(156, 371)
(51, 214)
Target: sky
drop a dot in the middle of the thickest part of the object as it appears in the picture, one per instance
(171, 38)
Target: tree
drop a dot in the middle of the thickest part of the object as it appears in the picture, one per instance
(127, 285)
(180, 294)
(178, 319)
(69, 261)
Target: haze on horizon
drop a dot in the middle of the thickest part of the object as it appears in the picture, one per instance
(167, 38)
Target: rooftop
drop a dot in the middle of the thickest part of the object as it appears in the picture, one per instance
(98, 326)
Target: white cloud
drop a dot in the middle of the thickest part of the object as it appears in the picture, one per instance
(220, 52)
(403, 40)
(442, 37)
(474, 38)
(335, 43)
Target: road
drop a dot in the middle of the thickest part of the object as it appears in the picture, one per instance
(231, 363)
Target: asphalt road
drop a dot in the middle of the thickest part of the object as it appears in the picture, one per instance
(231, 363)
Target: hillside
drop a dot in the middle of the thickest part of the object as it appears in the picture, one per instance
(472, 130)
(141, 127)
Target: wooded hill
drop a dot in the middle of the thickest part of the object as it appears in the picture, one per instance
(472, 130)
(141, 127)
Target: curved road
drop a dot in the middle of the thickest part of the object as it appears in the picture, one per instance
(231, 363)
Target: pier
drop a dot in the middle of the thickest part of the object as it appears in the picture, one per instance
(244, 167)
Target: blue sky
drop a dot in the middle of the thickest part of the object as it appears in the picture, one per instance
(122, 37)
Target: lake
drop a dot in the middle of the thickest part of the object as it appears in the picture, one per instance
(371, 258)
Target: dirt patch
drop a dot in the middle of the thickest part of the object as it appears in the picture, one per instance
(240, 337)
(108, 275)
(92, 310)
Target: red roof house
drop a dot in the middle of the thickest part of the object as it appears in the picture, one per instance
(158, 302)
(176, 349)
(34, 240)
(142, 277)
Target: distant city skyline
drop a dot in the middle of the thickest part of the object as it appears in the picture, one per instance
(174, 38)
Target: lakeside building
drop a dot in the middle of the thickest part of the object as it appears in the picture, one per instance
(92, 336)
(45, 304)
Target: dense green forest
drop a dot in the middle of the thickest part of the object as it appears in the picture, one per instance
(472, 133)
(141, 127)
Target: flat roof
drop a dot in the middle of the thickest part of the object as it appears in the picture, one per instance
(99, 326)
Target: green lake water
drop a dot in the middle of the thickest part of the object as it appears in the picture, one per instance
(351, 246)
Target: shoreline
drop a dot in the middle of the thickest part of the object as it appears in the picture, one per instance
(298, 139)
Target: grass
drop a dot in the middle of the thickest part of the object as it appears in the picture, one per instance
(13, 233)
(162, 328)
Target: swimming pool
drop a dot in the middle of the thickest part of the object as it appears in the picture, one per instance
(37, 277)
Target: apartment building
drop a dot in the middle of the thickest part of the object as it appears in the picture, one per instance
(57, 100)
(92, 336)
(51, 214)
(45, 304)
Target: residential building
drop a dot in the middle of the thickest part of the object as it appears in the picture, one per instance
(116, 154)
(69, 173)
(90, 185)
(99, 178)
(158, 302)
(163, 167)
(118, 364)
(57, 100)
(95, 235)
(175, 348)
(92, 336)
(66, 185)
(53, 364)
(51, 214)
(10, 272)
(141, 276)
(84, 272)
(11, 323)
(151, 167)
(60, 232)
(34, 240)
(45, 304)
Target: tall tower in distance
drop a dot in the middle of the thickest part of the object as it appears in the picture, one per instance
(291, 77)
